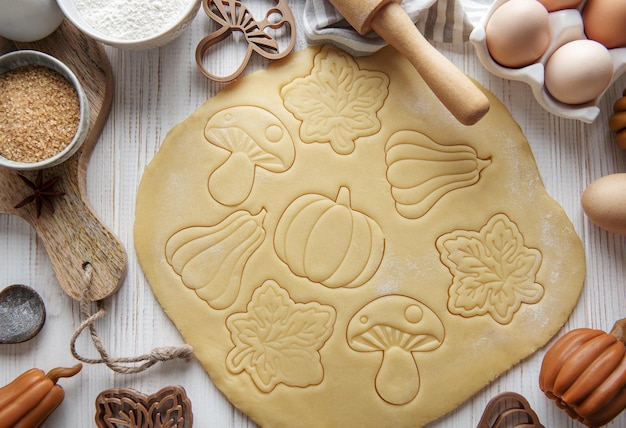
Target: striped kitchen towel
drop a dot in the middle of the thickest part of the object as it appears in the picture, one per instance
(439, 20)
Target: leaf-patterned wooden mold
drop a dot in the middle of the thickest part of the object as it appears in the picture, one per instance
(126, 408)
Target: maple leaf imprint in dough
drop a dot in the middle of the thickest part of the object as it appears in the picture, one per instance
(337, 103)
(493, 271)
(277, 340)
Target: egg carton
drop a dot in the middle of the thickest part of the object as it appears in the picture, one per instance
(565, 26)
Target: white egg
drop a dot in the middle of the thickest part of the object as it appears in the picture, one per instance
(579, 71)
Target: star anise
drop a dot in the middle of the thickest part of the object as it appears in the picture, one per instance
(42, 192)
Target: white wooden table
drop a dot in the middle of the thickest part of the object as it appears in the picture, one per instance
(158, 88)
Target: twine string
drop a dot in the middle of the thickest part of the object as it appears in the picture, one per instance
(123, 365)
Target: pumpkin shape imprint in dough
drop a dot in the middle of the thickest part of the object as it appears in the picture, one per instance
(422, 171)
(211, 259)
(328, 242)
(255, 138)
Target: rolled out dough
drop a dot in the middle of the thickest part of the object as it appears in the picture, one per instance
(339, 251)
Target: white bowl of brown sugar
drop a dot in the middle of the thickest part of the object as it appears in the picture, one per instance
(44, 112)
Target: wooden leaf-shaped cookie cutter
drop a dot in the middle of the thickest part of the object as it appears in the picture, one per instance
(233, 15)
(505, 407)
(169, 407)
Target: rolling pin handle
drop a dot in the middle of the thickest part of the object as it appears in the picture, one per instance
(467, 103)
(454, 89)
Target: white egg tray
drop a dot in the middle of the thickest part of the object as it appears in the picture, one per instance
(565, 26)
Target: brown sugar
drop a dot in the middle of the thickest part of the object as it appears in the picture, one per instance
(39, 113)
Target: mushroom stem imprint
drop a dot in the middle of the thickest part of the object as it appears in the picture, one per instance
(398, 326)
(231, 191)
(255, 138)
(397, 381)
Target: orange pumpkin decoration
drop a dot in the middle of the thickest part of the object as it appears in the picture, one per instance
(585, 373)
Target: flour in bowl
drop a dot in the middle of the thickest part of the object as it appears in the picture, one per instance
(130, 19)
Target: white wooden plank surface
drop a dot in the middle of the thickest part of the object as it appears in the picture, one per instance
(158, 88)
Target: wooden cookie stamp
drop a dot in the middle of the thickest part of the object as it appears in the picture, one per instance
(169, 407)
(233, 15)
(509, 409)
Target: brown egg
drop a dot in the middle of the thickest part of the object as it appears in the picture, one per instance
(604, 22)
(604, 202)
(554, 5)
(518, 33)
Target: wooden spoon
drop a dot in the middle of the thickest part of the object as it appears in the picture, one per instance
(73, 235)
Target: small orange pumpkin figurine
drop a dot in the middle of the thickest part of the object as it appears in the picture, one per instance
(585, 373)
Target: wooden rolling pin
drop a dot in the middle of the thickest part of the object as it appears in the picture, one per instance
(387, 18)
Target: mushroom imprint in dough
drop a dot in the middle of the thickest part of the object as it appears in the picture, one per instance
(397, 326)
(254, 137)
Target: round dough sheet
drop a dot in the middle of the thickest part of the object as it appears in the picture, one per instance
(339, 251)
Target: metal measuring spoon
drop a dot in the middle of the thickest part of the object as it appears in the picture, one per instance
(22, 314)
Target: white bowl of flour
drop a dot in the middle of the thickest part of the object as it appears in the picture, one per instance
(131, 24)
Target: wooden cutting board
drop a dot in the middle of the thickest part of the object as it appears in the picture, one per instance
(73, 235)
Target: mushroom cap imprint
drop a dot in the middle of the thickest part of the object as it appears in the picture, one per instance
(395, 320)
(254, 132)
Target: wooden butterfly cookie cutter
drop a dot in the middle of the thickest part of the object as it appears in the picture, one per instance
(233, 15)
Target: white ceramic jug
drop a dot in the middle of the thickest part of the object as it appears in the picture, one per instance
(29, 20)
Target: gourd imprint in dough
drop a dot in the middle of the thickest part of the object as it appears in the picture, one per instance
(494, 273)
(211, 259)
(277, 340)
(422, 171)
